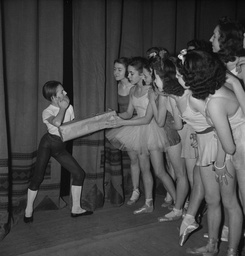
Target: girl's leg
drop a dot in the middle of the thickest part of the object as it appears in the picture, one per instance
(148, 184)
(212, 196)
(161, 173)
(157, 162)
(197, 193)
(232, 207)
(168, 200)
(135, 176)
(241, 181)
(189, 224)
(182, 185)
(190, 164)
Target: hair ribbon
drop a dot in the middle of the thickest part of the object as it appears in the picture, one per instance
(182, 54)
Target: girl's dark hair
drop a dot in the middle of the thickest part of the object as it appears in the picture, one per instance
(171, 83)
(165, 67)
(49, 89)
(200, 44)
(203, 73)
(124, 61)
(138, 63)
(155, 51)
(231, 39)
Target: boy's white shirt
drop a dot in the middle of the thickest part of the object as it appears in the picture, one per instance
(52, 110)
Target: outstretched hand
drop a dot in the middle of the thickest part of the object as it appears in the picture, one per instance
(114, 122)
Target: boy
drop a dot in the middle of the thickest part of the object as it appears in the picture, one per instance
(58, 112)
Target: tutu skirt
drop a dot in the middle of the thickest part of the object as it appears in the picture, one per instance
(188, 151)
(140, 138)
(207, 148)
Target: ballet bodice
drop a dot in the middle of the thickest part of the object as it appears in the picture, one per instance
(140, 104)
(194, 118)
(122, 103)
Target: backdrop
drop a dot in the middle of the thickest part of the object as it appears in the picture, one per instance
(37, 45)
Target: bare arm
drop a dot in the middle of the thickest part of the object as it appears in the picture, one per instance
(160, 111)
(58, 120)
(242, 74)
(235, 85)
(220, 159)
(221, 171)
(217, 112)
(139, 121)
(130, 110)
(178, 122)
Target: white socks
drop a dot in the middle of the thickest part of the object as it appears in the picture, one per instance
(31, 196)
(76, 197)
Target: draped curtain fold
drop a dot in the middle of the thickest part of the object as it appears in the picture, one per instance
(31, 49)
(89, 92)
(31, 53)
(4, 157)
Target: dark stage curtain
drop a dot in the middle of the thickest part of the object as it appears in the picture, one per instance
(33, 51)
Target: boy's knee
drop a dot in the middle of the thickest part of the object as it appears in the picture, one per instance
(79, 176)
(34, 185)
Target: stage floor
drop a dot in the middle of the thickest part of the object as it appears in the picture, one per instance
(110, 231)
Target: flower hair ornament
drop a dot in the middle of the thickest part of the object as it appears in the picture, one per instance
(152, 55)
(182, 54)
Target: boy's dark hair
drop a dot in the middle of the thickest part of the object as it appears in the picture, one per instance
(49, 89)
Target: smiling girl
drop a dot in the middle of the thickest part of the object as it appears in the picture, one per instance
(142, 135)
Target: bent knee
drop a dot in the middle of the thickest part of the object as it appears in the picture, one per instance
(212, 200)
(79, 176)
(134, 161)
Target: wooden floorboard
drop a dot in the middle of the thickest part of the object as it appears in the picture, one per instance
(110, 231)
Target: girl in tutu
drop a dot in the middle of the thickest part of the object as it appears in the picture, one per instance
(142, 135)
(187, 135)
(124, 86)
(162, 114)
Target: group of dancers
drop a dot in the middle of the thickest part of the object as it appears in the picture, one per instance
(190, 107)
